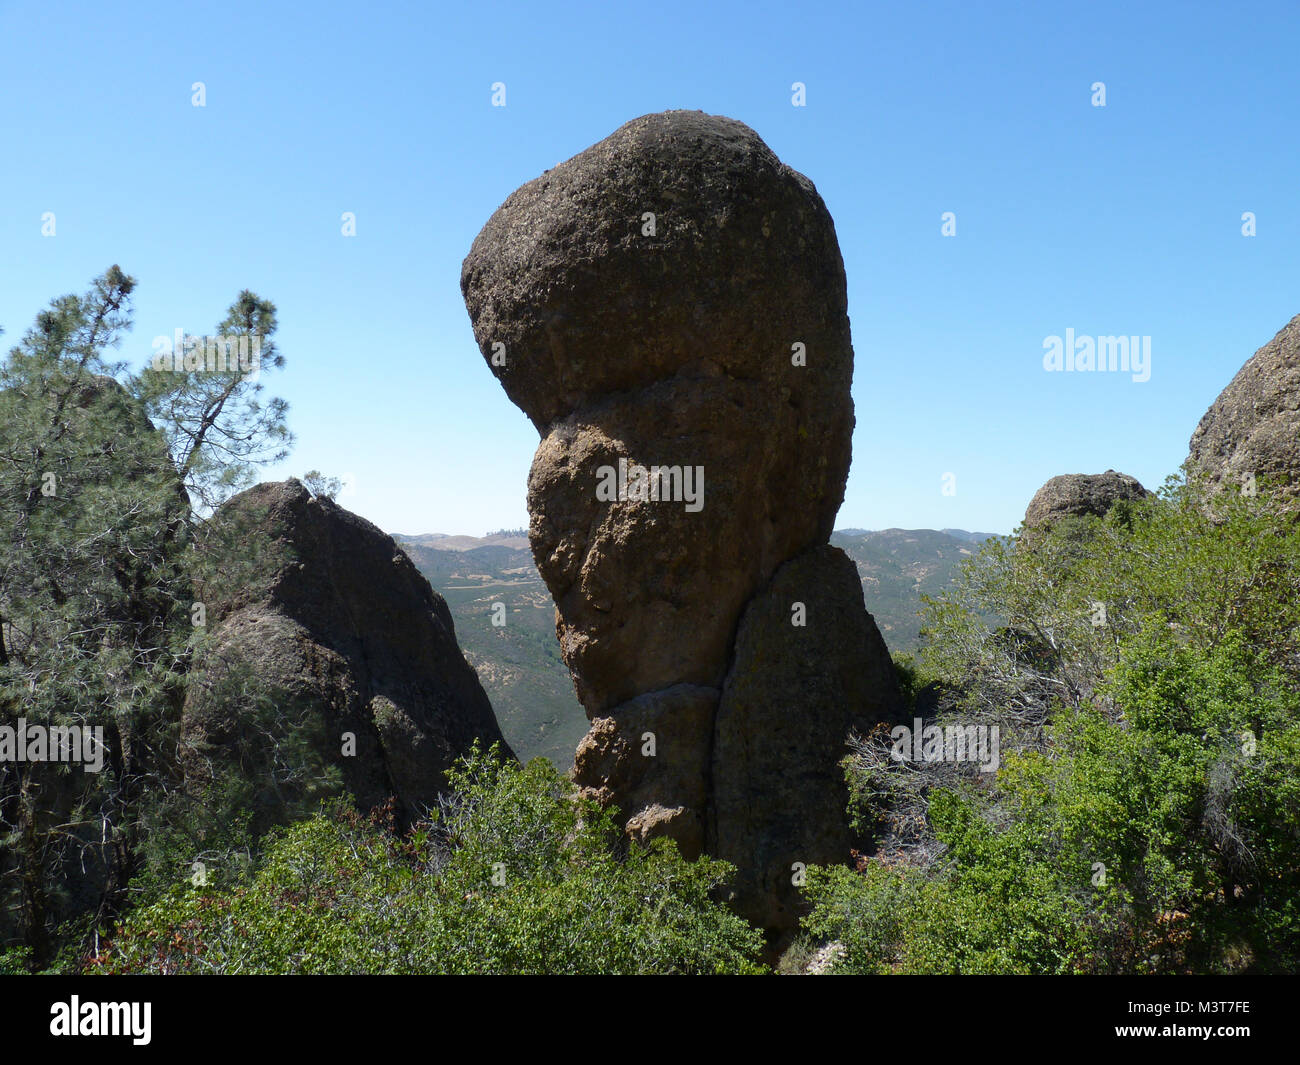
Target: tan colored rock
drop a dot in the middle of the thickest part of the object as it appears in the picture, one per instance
(649, 593)
(1253, 427)
(651, 758)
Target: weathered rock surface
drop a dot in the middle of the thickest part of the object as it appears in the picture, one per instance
(661, 790)
(1074, 495)
(674, 297)
(649, 592)
(794, 693)
(319, 621)
(1253, 427)
(743, 263)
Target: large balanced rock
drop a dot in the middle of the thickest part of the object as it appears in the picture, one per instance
(1254, 425)
(320, 623)
(669, 309)
(1077, 495)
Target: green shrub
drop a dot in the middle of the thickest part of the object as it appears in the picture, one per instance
(515, 875)
(1146, 816)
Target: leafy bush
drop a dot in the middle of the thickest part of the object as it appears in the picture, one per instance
(1146, 816)
(516, 874)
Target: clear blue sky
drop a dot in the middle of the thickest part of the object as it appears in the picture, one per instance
(1117, 220)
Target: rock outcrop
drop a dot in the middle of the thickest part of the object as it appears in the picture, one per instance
(1254, 425)
(669, 309)
(1076, 495)
(320, 623)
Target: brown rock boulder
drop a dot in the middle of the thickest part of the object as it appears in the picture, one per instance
(742, 263)
(669, 309)
(1075, 495)
(671, 348)
(1253, 427)
(651, 756)
(320, 623)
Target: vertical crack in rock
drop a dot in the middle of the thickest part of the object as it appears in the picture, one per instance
(674, 298)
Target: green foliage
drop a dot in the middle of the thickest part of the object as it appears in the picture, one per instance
(1017, 630)
(1146, 817)
(92, 588)
(208, 401)
(320, 485)
(97, 578)
(865, 912)
(909, 678)
(516, 875)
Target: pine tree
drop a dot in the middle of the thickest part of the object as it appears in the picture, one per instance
(208, 400)
(97, 529)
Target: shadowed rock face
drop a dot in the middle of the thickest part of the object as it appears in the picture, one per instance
(1075, 495)
(1254, 425)
(322, 614)
(711, 338)
(791, 697)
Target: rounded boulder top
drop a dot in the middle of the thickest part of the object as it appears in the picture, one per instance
(1080, 494)
(680, 245)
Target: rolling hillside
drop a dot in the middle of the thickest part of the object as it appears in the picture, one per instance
(898, 566)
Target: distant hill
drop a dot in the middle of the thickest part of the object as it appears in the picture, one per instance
(898, 566)
(970, 537)
(519, 664)
(517, 539)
